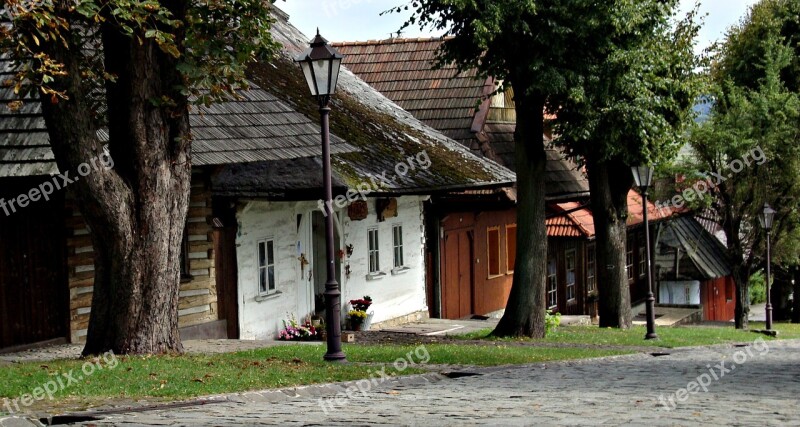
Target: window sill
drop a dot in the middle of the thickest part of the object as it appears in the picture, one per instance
(266, 297)
(400, 270)
(495, 276)
(376, 276)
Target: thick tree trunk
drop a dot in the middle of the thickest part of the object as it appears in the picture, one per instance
(609, 183)
(741, 268)
(525, 310)
(741, 277)
(136, 211)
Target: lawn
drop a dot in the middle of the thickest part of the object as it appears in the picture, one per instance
(180, 377)
(669, 337)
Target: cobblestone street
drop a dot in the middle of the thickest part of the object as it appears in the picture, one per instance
(755, 385)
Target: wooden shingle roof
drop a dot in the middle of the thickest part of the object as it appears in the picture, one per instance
(450, 101)
(384, 135)
(277, 121)
(257, 127)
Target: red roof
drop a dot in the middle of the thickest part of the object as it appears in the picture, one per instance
(577, 221)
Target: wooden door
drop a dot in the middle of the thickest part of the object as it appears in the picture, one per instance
(457, 274)
(34, 294)
(227, 277)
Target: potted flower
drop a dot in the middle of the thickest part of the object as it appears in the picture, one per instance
(356, 319)
(361, 304)
(295, 331)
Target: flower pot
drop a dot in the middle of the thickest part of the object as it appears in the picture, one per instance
(356, 324)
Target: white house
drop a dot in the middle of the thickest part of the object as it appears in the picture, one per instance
(281, 262)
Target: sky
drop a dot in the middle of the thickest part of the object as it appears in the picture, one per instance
(360, 20)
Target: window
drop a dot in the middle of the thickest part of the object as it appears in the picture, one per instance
(185, 272)
(493, 246)
(552, 284)
(397, 245)
(590, 267)
(373, 252)
(511, 247)
(642, 259)
(629, 260)
(266, 266)
(571, 270)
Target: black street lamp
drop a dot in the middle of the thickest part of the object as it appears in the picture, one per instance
(766, 218)
(643, 175)
(320, 64)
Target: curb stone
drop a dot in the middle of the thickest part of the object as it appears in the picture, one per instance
(19, 422)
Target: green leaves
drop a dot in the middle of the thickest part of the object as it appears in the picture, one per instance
(215, 40)
(755, 107)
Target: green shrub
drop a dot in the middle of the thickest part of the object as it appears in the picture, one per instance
(551, 321)
(758, 288)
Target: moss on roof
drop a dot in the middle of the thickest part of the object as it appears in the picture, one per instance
(382, 139)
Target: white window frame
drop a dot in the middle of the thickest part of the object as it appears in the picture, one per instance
(552, 283)
(642, 260)
(264, 269)
(571, 287)
(397, 246)
(373, 253)
(629, 265)
(591, 267)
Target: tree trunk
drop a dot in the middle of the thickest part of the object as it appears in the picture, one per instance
(525, 309)
(609, 183)
(741, 277)
(741, 267)
(136, 211)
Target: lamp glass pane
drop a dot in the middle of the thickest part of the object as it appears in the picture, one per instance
(308, 72)
(337, 64)
(321, 72)
(637, 178)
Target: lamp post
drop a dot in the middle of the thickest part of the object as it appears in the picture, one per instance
(643, 175)
(766, 218)
(320, 64)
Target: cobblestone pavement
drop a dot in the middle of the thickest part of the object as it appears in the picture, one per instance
(755, 385)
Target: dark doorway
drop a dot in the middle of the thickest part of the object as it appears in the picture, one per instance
(225, 264)
(34, 294)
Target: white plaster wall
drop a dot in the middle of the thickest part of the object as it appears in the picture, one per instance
(393, 295)
(674, 292)
(259, 221)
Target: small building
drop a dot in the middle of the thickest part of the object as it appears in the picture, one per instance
(692, 269)
(572, 284)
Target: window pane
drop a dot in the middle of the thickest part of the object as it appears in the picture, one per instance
(270, 253)
(511, 247)
(271, 278)
(397, 244)
(262, 256)
(493, 244)
(262, 280)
